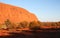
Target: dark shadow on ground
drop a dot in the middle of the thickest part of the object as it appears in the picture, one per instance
(34, 34)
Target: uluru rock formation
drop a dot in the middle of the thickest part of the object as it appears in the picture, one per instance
(15, 14)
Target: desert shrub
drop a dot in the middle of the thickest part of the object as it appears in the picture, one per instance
(34, 25)
(57, 24)
(23, 24)
(7, 22)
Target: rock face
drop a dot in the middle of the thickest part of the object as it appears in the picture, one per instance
(15, 14)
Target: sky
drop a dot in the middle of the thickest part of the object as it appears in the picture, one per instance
(45, 10)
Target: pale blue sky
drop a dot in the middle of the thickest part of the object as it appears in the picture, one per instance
(45, 10)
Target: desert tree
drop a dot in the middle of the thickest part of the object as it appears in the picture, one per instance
(9, 24)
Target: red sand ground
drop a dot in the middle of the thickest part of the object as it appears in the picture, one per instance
(3, 32)
(6, 32)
